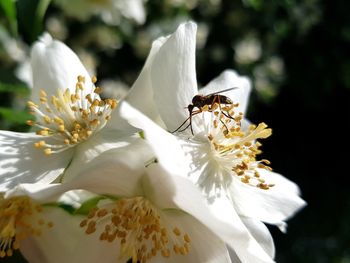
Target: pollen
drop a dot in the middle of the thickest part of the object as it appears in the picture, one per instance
(236, 149)
(140, 229)
(19, 219)
(67, 119)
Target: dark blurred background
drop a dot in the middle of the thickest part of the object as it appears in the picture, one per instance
(295, 52)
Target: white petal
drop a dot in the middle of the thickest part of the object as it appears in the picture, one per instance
(67, 242)
(55, 66)
(273, 206)
(21, 162)
(173, 75)
(37, 191)
(168, 191)
(54, 244)
(204, 246)
(116, 172)
(76, 197)
(230, 79)
(91, 250)
(233, 255)
(261, 234)
(281, 182)
(249, 248)
(165, 146)
(104, 140)
(140, 95)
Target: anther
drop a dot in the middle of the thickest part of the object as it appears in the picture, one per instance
(98, 90)
(32, 104)
(81, 78)
(47, 151)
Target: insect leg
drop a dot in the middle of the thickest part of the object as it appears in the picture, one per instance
(178, 129)
(191, 124)
(224, 126)
(216, 100)
(227, 114)
(192, 114)
(185, 127)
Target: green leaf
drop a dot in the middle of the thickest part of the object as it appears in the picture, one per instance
(85, 207)
(41, 9)
(88, 205)
(66, 207)
(15, 116)
(9, 8)
(19, 89)
(31, 16)
(142, 134)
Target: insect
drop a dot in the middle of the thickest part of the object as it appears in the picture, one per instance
(201, 101)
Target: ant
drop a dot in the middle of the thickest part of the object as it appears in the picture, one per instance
(200, 101)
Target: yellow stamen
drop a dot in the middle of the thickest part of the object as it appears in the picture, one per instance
(70, 117)
(140, 229)
(18, 220)
(229, 141)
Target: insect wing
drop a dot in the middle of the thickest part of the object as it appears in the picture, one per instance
(220, 91)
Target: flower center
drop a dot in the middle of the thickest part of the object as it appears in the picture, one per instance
(139, 227)
(236, 149)
(18, 220)
(69, 119)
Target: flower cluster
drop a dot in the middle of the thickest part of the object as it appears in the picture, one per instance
(164, 175)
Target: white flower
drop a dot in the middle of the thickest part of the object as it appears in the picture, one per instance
(170, 154)
(150, 214)
(221, 156)
(110, 10)
(70, 116)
